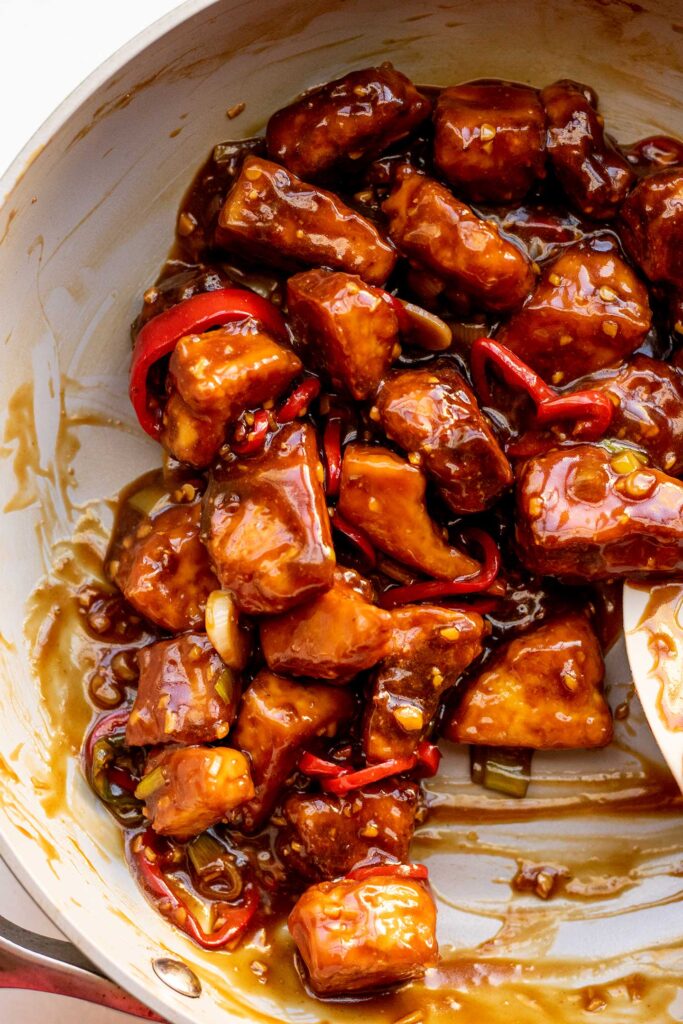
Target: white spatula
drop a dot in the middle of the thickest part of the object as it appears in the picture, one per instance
(653, 626)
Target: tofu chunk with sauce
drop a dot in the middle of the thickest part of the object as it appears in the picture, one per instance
(542, 690)
(164, 569)
(326, 836)
(334, 636)
(277, 719)
(352, 119)
(185, 694)
(384, 496)
(651, 223)
(272, 216)
(355, 936)
(188, 789)
(588, 311)
(347, 329)
(433, 416)
(431, 648)
(584, 513)
(266, 524)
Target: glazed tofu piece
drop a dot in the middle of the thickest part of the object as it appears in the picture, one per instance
(542, 690)
(351, 119)
(188, 789)
(588, 311)
(225, 371)
(273, 217)
(586, 514)
(189, 437)
(334, 636)
(347, 329)
(431, 648)
(433, 416)
(355, 936)
(185, 694)
(489, 140)
(164, 569)
(384, 496)
(593, 174)
(277, 719)
(326, 836)
(651, 223)
(443, 236)
(266, 524)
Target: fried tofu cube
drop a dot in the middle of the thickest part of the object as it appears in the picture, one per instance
(542, 690)
(355, 936)
(651, 223)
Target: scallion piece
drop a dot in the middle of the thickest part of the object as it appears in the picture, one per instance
(504, 770)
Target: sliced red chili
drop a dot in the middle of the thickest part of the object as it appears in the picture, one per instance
(591, 410)
(389, 869)
(146, 856)
(434, 589)
(256, 438)
(428, 758)
(333, 455)
(102, 728)
(298, 402)
(365, 776)
(161, 334)
(356, 536)
(309, 764)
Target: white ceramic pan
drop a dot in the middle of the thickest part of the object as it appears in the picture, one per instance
(88, 215)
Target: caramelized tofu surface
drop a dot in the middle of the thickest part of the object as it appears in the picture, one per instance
(543, 690)
(585, 514)
(384, 496)
(431, 648)
(358, 936)
(593, 173)
(326, 836)
(651, 224)
(334, 636)
(272, 216)
(440, 234)
(165, 572)
(346, 328)
(588, 311)
(276, 721)
(196, 787)
(266, 524)
(185, 694)
(189, 437)
(432, 414)
(345, 121)
(225, 371)
(489, 140)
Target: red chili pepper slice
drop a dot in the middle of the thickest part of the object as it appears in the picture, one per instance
(592, 406)
(309, 764)
(105, 725)
(356, 536)
(333, 455)
(299, 400)
(428, 758)
(416, 871)
(161, 334)
(373, 773)
(236, 919)
(434, 589)
(256, 438)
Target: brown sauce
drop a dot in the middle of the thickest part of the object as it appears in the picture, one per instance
(662, 618)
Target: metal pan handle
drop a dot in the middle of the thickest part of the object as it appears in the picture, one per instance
(41, 964)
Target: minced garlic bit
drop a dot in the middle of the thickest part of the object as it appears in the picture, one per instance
(373, 504)
(625, 461)
(370, 830)
(610, 328)
(374, 414)
(235, 111)
(606, 293)
(487, 132)
(558, 377)
(409, 717)
(535, 507)
(186, 224)
(555, 279)
(450, 633)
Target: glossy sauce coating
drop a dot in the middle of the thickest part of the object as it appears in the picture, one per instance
(346, 328)
(431, 648)
(432, 414)
(270, 215)
(579, 517)
(345, 121)
(543, 690)
(651, 223)
(370, 934)
(443, 236)
(489, 140)
(266, 524)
